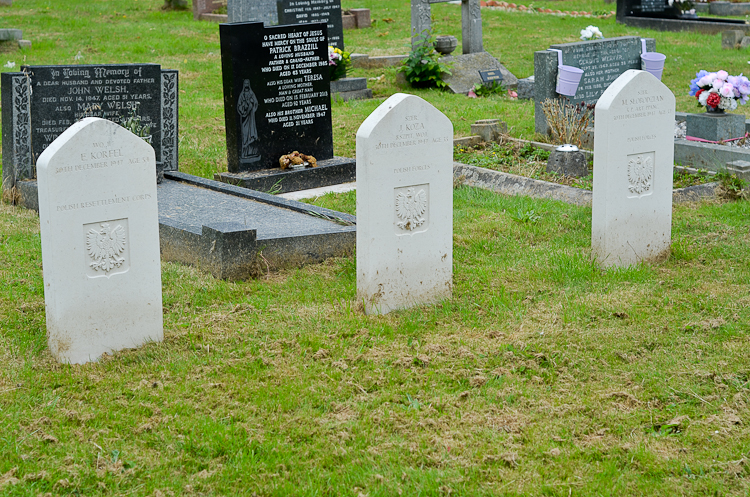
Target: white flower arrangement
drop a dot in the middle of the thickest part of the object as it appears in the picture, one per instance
(590, 33)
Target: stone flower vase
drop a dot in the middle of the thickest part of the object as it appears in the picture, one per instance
(445, 44)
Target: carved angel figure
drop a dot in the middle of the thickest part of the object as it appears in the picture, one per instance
(410, 207)
(105, 246)
(640, 172)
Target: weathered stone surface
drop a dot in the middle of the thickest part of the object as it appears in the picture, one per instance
(100, 241)
(489, 129)
(367, 62)
(205, 7)
(362, 18)
(24, 44)
(745, 43)
(404, 205)
(731, 38)
(567, 163)
(633, 160)
(348, 21)
(348, 84)
(715, 127)
(252, 11)
(471, 23)
(10, 34)
(728, 9)
(352, 95)
(659, 16)
(465, 71)
(526, 88)
(739, 168)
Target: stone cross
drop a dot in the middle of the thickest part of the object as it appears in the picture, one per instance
(471, 23)
(633, 162)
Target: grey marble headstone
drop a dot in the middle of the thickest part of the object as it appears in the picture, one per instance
(602, 61)
(252, 10)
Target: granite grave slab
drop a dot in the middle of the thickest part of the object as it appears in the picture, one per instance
(312, 11)
(465, 71)
(100, 241)
(41, 102)
(633, 161)
(206, 7)
(223, 229)
(404, 205)
(602, 61)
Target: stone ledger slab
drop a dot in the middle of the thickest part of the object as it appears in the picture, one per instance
(404, 205)
(633, 161)
(465, 71)
(100, 241)
(224, 229)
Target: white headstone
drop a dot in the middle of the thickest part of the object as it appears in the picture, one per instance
(100, 241)
(404, 205)
(633, 163)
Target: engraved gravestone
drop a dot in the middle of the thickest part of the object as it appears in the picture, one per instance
(633, 161)
(404, 205)
(43, 101)
(602, 62)
(276, 93)
(100, 241)
(307, 11)
(252, 11)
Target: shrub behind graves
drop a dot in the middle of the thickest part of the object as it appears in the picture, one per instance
(423, 67)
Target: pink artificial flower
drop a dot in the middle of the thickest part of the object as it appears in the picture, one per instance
(727, 90)
(471, 94)
(512, 94)
(722, 75)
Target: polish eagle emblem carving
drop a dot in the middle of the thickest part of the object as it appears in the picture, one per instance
(410, 209)
(640, 173)
(105, 246)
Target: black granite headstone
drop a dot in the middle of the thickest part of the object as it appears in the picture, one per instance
(652, 8)
(61, 95)
(306, 11)
(276, 93)
(43, 101)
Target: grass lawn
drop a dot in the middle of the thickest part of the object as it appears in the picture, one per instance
(543, 375)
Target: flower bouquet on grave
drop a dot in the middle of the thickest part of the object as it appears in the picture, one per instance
(591, 33)
(718, 91)
(338, 62)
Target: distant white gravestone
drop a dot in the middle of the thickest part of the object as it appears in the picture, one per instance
(404, 205)
(100, 241)
(633, 163)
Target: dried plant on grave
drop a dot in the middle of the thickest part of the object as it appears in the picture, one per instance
(567, 121)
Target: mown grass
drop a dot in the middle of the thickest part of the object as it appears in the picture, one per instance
(543, 375)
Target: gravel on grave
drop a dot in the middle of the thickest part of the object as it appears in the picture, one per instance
(679, 132)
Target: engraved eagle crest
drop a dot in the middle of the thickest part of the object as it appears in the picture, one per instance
(105, 247)
(640, 173)
(410, 209)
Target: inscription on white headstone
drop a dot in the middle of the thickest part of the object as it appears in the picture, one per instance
(404, 205)
(100, 241)
(633, 162)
